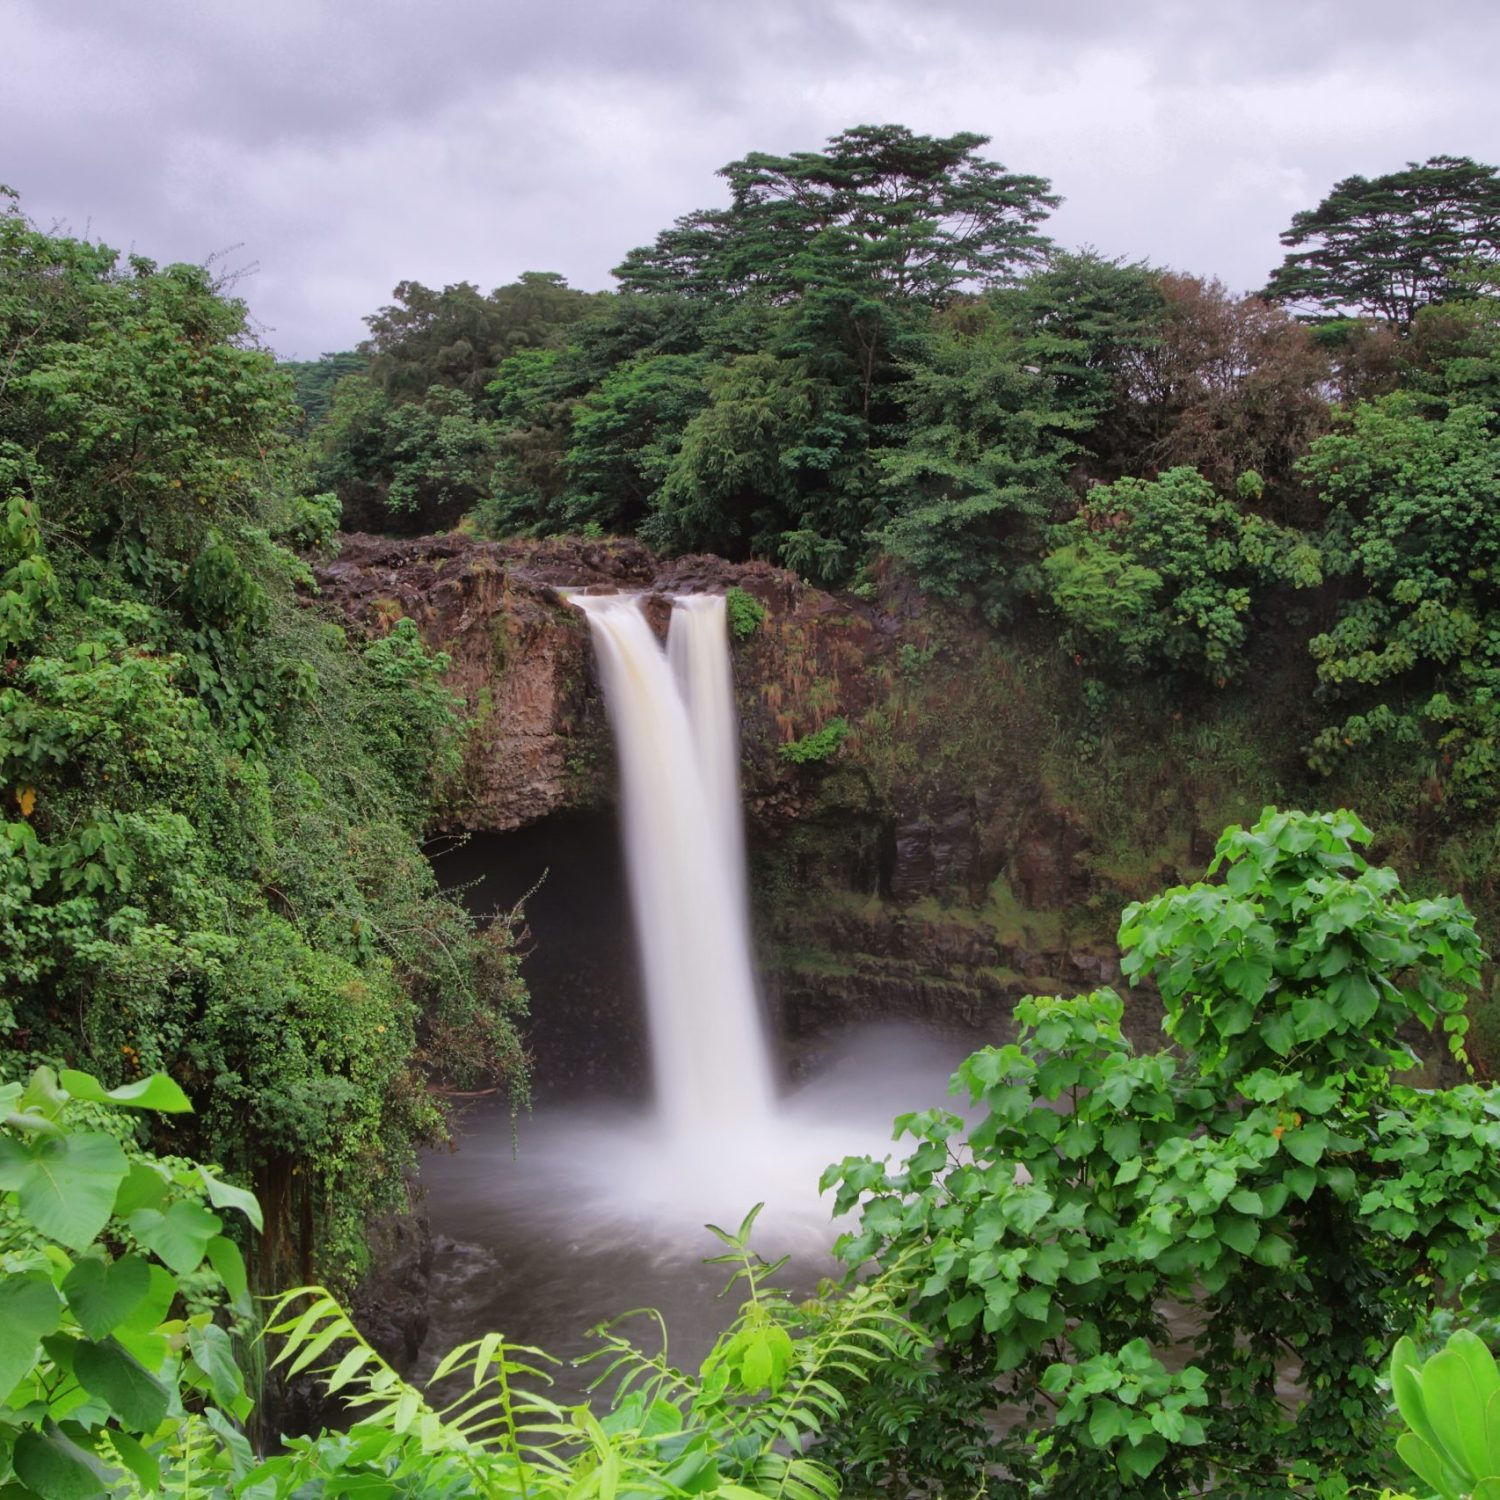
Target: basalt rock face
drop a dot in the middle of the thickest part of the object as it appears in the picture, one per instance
(521, 659)
(922, 870)
(519, 655)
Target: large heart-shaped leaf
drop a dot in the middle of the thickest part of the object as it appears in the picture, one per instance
(157, 1092)
(180, 1235)
(104, 1294)
(52, 1466)
(135, 1396)
(68, 1186)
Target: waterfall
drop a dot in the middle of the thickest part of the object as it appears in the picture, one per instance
(678, 746)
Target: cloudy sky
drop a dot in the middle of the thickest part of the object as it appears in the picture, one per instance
(339, 146)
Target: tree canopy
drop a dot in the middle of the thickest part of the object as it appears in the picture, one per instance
(913, 216)
(1386, 246)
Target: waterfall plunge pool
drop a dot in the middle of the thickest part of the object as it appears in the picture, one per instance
(596, 1203)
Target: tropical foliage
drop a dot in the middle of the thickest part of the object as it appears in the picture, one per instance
(1270, 1171)
(209, 856)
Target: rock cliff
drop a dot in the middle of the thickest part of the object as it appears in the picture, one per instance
(925, 868)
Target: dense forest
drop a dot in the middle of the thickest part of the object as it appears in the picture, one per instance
(220, 939)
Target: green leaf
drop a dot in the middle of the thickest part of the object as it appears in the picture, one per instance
(225, 1195)
(1248, 1202)
(55, 1468)
(1423, 1461)
(134, 1394)
(69, 1186)
(140, 1463)
(1302, 1181)
(144, 1187)
(29, 1310)
(1106, 1423)
(179, 1236)
(102, 1295)
(224, 1256)
(1307, 1143)
(157, 1092)
(1140, 1460)
(1239, 1234)
(214, 1355)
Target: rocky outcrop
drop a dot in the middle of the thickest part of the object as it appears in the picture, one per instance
(520, 658)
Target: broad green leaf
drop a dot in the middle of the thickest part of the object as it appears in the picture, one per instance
(1106, 1423)
(1424, 1462)
(179, 1236)
(102, 1294)
(1272, 1250)
(1239, 1234)
(214, 1355)
(29, 1310)
(55, 1468)
(1456, 1387)
(140, 1463)
(70, 1185)
(1307, 1142)
(1142, 1458)
(225, 1195)
(158, 1092)
(224, 1256)
(134, 1394)
(1246, 1201)
(144, 1187)
(157, 1302)
(1302, 1181)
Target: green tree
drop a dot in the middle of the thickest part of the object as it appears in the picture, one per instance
(404, 466)
(981, 465)
(909, 216)
(1081, 319)
(1164, 573)
(458, 337)
(313, 380)
(775, 460)
(1387, 246)
(209, 855)
(625, 434)
(1415, 652)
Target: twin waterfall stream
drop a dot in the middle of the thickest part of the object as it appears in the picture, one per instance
(675, 728)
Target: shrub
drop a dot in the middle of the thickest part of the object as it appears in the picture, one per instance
(1272, 1173)
(817, 746)
(746, 612)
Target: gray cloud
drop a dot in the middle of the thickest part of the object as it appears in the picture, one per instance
(343, 147)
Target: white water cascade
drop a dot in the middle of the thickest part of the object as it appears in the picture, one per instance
(674, 724)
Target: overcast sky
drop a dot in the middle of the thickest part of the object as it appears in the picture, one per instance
(340, 146)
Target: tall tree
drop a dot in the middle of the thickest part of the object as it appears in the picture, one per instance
(916, 216)
(1386, 246)
(459, 336)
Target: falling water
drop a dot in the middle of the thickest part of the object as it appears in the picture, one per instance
(603, 1207)
(679, 754)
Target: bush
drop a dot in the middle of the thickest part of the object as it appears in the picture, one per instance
(746, 613)
(817, 746)
(1270, 1171)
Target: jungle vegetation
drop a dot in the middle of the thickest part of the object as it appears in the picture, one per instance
(215, 910)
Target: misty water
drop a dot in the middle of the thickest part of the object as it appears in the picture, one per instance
(661, 1105)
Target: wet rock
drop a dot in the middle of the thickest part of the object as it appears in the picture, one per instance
(521, 659)
(391, 1305)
